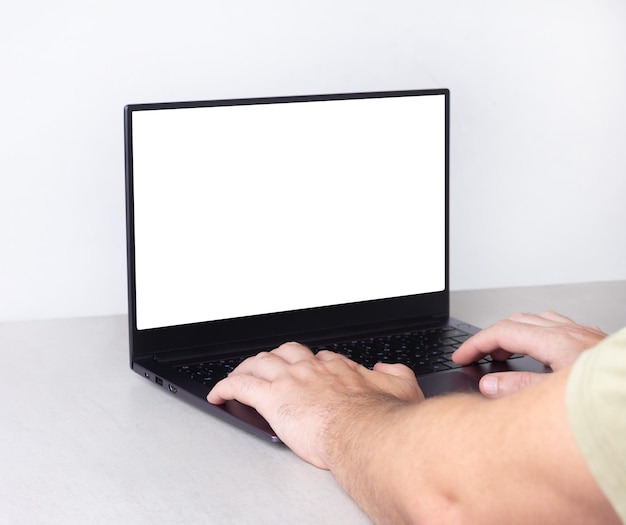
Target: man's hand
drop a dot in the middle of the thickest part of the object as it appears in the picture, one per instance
(394, 453)
(550, 338)
(310, 399)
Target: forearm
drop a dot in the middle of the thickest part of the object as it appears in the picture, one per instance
(461, 458)
(453, 459)
(395, 460)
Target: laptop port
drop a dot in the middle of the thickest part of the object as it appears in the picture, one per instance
(158, 380)
(172, 388)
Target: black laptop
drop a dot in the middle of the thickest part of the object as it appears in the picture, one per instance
(320, 219)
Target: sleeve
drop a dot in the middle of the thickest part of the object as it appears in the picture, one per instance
(596, 407)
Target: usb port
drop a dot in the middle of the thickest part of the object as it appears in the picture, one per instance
(158, 380)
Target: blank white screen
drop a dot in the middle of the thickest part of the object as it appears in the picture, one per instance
(243, 210)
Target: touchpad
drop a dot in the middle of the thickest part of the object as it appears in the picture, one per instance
(460, 380)
(466, 379)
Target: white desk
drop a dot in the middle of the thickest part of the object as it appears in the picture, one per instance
(85, 440)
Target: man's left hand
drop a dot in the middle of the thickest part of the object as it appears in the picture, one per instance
(310, 398)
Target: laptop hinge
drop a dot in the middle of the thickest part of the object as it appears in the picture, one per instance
(311, 338)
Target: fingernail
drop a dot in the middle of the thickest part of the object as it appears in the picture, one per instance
(490, 385)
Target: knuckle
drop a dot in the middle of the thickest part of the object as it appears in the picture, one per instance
(523, 379)
(504, 325)
(291, 346)
(262, 357)
(526, 379)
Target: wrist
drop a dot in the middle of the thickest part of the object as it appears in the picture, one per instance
(360, 427)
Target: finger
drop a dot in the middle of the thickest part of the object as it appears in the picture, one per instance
(567, 321)
(553, 319)
(293, 352)
(244, 388)
(397, 370)
(504, 337)
(481, 344)
(544, 319)
(264, 365)
(263, 362)
(327, 355)
(466, 355)
(501, 384)
(556, 317)
(509, 336)
(411, 390)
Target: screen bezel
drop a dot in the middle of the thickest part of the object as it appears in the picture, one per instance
(299, 324)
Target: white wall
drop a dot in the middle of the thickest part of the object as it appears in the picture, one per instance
(538, 123)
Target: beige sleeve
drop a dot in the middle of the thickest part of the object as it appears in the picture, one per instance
(596, 406)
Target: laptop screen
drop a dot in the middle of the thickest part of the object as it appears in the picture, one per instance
(247, 208)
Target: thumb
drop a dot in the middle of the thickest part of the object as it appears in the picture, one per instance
(501, 384)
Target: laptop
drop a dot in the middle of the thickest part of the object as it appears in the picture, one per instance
(320, 219)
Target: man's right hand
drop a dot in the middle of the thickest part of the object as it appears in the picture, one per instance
(550, 338)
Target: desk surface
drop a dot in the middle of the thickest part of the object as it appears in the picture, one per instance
(84, 440)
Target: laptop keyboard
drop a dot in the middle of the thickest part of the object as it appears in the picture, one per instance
(424, 351)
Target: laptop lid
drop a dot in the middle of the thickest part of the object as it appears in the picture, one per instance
(253, 221)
